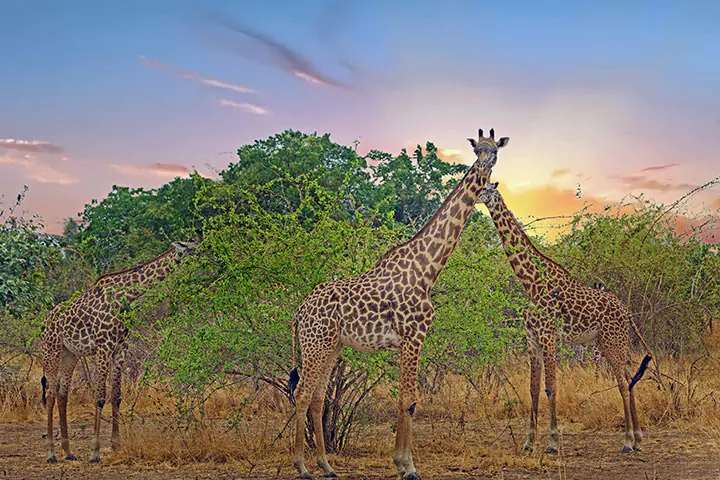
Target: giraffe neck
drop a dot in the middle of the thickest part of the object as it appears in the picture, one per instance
(134, 281)
(534, 270)
(430, 248)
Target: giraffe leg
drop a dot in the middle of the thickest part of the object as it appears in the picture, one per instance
(409, 358)
(313, 367)
(616, 357)
(316, 409)
(100, 391)
(549, 351)
(535, 374)
(116, 393)
(52, 355)
(67, 367)
(637, 429)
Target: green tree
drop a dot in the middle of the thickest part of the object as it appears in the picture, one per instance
(412, 188)
(133, 225)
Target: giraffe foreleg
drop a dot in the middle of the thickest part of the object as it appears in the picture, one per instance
(409, 359)
(100, 392)
(67, 368)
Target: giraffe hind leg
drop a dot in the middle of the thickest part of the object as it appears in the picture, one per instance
(316, 408)
(52, 354)
(313, 366)
(67, 368)
(116, 393)
(549, 351)
(616, 355)
(100, 391)
(535, 376)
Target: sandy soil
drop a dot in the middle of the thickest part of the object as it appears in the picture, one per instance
(584, 455)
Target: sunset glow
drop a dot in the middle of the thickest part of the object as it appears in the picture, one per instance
(610, 99)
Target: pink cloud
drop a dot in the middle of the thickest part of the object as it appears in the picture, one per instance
(158, 169)
(210, 82)
(559, 172)
(641, 182)
(249, 107)
(654, 168)
(38, 169)
(35, 146)
(265, 49)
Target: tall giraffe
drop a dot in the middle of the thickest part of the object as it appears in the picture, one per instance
(90, 325)
(561, 304)
(387, 307)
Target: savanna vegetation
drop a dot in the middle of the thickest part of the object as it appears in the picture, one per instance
(211, 346)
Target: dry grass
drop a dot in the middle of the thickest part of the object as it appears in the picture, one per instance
(480, 429)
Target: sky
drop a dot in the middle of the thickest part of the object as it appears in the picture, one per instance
(614, 98)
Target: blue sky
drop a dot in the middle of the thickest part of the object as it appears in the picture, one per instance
(616, 97)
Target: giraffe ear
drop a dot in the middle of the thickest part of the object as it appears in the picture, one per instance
(472, 142)
(503, 142)
(495, 185)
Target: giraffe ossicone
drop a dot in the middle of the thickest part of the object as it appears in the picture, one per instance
(90, 324)
(387, 307)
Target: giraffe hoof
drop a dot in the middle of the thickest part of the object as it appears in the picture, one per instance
(52, 460)
(528, 448)
(70, 457)
(551, 450)
(412, 476)
(95, 460)
(637, 448)
(305, 475)
(331, 475)
(626, 449)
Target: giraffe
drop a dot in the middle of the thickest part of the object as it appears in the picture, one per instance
(386, 308)
(89, 324)
(560, 305)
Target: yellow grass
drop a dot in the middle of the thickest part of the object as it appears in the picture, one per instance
(457, 427)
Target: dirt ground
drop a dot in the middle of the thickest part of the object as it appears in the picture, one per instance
(584, 455)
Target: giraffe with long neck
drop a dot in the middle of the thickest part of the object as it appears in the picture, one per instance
(560, 305)
(90, 324)
(387, 307)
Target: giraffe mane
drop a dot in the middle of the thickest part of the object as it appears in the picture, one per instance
(427, 224)
(532, 244)
(134, 268)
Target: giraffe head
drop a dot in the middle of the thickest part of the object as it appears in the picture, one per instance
(486, 148)
(183, 249)
(489, 195)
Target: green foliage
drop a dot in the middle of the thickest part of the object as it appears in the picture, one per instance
(478, 303)
(133, 225)
(412, 188)
(296, 210)
(25, 254)
(670, 279)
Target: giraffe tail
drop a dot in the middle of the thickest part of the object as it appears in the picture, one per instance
(638, 375)
(293, 382)
(43, 382)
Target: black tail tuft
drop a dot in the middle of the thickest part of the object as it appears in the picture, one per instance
(43, 382)
(638, 375)
(293, 381)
